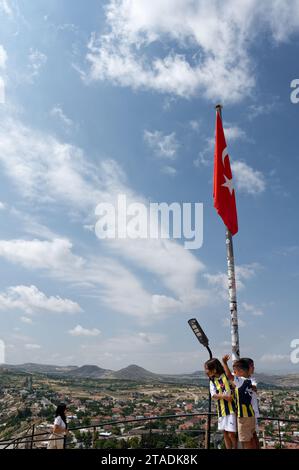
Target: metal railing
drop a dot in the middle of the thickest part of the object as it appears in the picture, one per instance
(30, 439)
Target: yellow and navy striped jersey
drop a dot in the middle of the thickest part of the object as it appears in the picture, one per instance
(221, 385)
(243, 393)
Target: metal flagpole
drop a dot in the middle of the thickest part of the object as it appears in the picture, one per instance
(232, 292)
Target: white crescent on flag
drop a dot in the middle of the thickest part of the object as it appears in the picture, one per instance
(224, 154)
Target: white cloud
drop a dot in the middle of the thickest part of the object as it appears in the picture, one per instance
(274, 358)
(233, 133)
(46, 170)
(169, 170)
(80, 331)
(31, 300)
(256, 110)
(2, 206)
(206, 155)
(163, 145)
(58, 112)
(36, 61)
(162, 303)
(248, 180)
(252, 309)
(168, 102)
(32, 225)
(89, 227)
(38, 254)
(213, 39)
(195, 125)
(116, 286)
(220, 280)
(226, 322)
(3, 57)
(245, 272)
(26, 320)
(2, 91)
(126, 343)
(5, 7)
(32, 346)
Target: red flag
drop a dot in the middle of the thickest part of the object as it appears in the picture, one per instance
(224, 193)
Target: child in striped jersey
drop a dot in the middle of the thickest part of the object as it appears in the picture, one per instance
(221, 391)
(254, 400)
(243, 391)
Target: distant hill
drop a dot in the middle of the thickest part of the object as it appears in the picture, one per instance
(89, 371)
(31, 367)
(198, 373)
(139, 374)
(134, 372)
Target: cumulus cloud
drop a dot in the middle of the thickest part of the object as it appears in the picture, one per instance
(124, 344)
(252, 309)
(46, 170)
(58, 113)
(31, 300)
(204, 46)
(2, 91)
(243, 273)
(194, 125)
(256, 110)
(274, 358)
(80, 331)
(32, 346)
(163, 145)
(247, 179)
(226, 322)
(3, 57)
(234, 133)
(5, 7)
(116, 286)
(169, 170)
(119, 288)
(36, 60)
(26, 320)
(40, 254)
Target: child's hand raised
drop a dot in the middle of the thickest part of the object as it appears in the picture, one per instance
(226, 358)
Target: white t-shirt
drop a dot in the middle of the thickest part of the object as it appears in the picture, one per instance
(213, 390)
(254, 398)
(59, 422)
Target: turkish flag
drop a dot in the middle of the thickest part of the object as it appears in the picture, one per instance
(224, 193)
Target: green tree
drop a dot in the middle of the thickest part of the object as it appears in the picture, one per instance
(134, 442)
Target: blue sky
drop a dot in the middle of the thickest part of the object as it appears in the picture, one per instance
(118, 98)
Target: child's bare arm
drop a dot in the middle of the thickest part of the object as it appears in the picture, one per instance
(220, 396)
(228, 373)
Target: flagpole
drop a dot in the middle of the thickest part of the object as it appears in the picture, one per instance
(232, 291)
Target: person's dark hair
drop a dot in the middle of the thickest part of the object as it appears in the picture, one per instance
(248, 360)
(60, 411)
(214, 364)
(241, 364)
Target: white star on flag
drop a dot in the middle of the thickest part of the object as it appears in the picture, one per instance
(228, 184)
